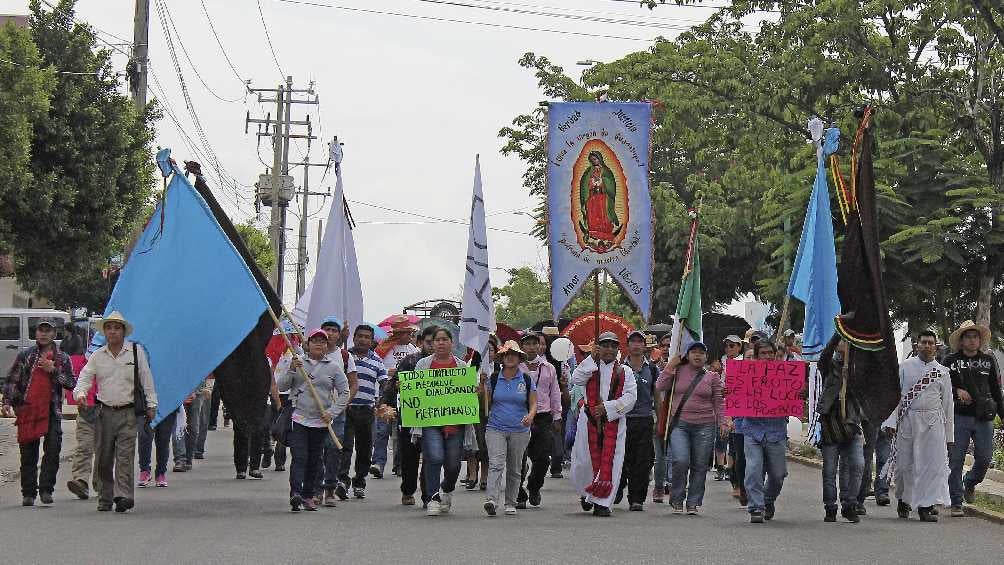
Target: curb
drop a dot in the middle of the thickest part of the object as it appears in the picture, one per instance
(807, 461)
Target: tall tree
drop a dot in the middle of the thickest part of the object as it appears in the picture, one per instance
(257, 241)
(92, 166)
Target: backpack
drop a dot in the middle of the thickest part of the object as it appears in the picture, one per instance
(526, 381)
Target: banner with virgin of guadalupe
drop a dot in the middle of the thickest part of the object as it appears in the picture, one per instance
(598, 205)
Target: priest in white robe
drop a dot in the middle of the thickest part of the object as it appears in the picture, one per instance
(924, 423)
(598, 453)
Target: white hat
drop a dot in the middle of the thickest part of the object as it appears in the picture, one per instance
(115, 317)
(953, 340)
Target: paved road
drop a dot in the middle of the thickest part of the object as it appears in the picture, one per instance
(206, 516)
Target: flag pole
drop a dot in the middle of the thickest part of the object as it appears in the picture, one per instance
(303, 373)
(596, 309)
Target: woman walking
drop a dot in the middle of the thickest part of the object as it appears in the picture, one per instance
(697, 404)
(311, 418)
(511, 397)
(442, 446)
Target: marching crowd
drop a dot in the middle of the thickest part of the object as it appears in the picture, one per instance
(624, 416)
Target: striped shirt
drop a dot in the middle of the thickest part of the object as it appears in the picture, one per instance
(370, 370)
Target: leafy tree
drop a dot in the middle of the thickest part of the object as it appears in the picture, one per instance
(92, 169)
(25, 89)
(258, 244)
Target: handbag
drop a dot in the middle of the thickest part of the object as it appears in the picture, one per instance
(138, 394)
(683, 400)
(283, 423)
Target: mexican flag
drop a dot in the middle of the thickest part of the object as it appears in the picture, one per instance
(687, 326)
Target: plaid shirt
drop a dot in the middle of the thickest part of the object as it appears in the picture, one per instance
(19, 378)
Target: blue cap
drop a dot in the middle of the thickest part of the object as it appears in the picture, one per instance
(695, 345)
(332, 320)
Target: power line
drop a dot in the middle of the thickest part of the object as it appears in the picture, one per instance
(458, 21)
(22, 65)
(706, 6)
(275, 58)
(188, 58)
(428, 217)
(223, 50)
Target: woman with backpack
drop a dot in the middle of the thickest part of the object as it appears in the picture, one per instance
(697, 404)
(511, 397)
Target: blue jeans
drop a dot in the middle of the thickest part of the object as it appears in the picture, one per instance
(663, 461)
(982, 435)
(877, 448)
(691, 445)
(306, 444)
(381, 435)
(161, 435)
(185, 447)
(848, 460)
(331, 457)
(202, 419)
(442, 457)
(764, 458)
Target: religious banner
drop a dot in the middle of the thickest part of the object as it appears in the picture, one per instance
(764, 389)
(439, 397)
(598, 205)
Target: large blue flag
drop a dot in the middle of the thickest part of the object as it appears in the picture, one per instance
(814, 275)
(187, 291)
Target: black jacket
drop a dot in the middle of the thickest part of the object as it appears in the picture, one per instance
(978, 376)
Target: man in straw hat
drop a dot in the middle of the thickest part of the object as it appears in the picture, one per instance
(977, 402)
(598, 453)
(117, 367)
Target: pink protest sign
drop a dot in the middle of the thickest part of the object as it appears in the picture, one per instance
(766, 389)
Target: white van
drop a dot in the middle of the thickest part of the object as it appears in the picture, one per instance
(17, 331)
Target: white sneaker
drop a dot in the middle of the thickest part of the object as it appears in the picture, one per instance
(432, 509)
(446, 502)
(510, 510)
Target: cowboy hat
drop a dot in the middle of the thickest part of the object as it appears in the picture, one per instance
(401, 323)
(115, 317)
(511, 347)
(953, 340)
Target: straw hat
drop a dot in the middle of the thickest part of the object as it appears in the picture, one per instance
(115, 316)
(511, 347)
(953, 340)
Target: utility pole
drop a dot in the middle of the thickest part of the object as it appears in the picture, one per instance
(137, 67)
(276, 189)
(301, 249)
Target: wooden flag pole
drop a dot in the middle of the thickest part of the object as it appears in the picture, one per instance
(596, 309)
(303, 373)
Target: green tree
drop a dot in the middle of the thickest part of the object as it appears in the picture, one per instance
(92, 169)
(257, 241)
(526, 299)
(25, 89)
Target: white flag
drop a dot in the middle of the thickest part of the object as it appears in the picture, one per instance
(477, 317)
(336, 289)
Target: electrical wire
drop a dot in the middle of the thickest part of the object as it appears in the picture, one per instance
(268, 38)
(188, 58)
(22, 65)
(695, 5)
(459, 21)
(428, 217)
(219, 42)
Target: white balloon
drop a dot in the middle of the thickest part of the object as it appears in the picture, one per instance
(562, 349)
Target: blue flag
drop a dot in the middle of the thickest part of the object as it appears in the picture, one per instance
(187, 291)
(814, 275)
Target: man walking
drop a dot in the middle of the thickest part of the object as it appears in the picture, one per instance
(639, 452)
(34, 389)
(122, 372)
(331, 456)
(359, 416)
(601, 430)
(977, 402)
(923, 423)
(548, 419)
(841, 441)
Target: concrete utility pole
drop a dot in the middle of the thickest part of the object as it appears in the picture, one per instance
(301, 248)
(140, 53)
(276, 189)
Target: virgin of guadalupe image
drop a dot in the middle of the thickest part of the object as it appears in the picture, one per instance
(597, 198)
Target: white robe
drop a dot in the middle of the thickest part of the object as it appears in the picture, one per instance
(582, 473)
(921, 452)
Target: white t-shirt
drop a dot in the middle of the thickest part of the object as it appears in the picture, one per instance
(397, 353)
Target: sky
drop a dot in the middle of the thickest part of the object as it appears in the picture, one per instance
(413, 98)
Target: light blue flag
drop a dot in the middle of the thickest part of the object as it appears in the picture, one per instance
(187, 291)
(814, 275)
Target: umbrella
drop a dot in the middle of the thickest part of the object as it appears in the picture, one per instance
(386, 323)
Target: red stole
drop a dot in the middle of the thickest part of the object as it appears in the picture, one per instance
(602, 433)
(33, 416)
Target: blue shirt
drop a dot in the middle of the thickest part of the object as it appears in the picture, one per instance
(763, 429)
(370, 371)
(509, 406)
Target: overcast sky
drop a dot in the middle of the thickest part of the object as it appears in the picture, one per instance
(412, 99)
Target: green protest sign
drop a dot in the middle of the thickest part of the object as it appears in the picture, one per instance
(439, 397)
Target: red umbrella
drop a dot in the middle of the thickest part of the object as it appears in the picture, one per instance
(505, 333)
(581, 331)
(394, 318)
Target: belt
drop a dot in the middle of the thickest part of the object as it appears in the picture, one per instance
(123, 407)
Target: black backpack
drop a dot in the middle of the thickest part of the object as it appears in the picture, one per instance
(526, 381)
